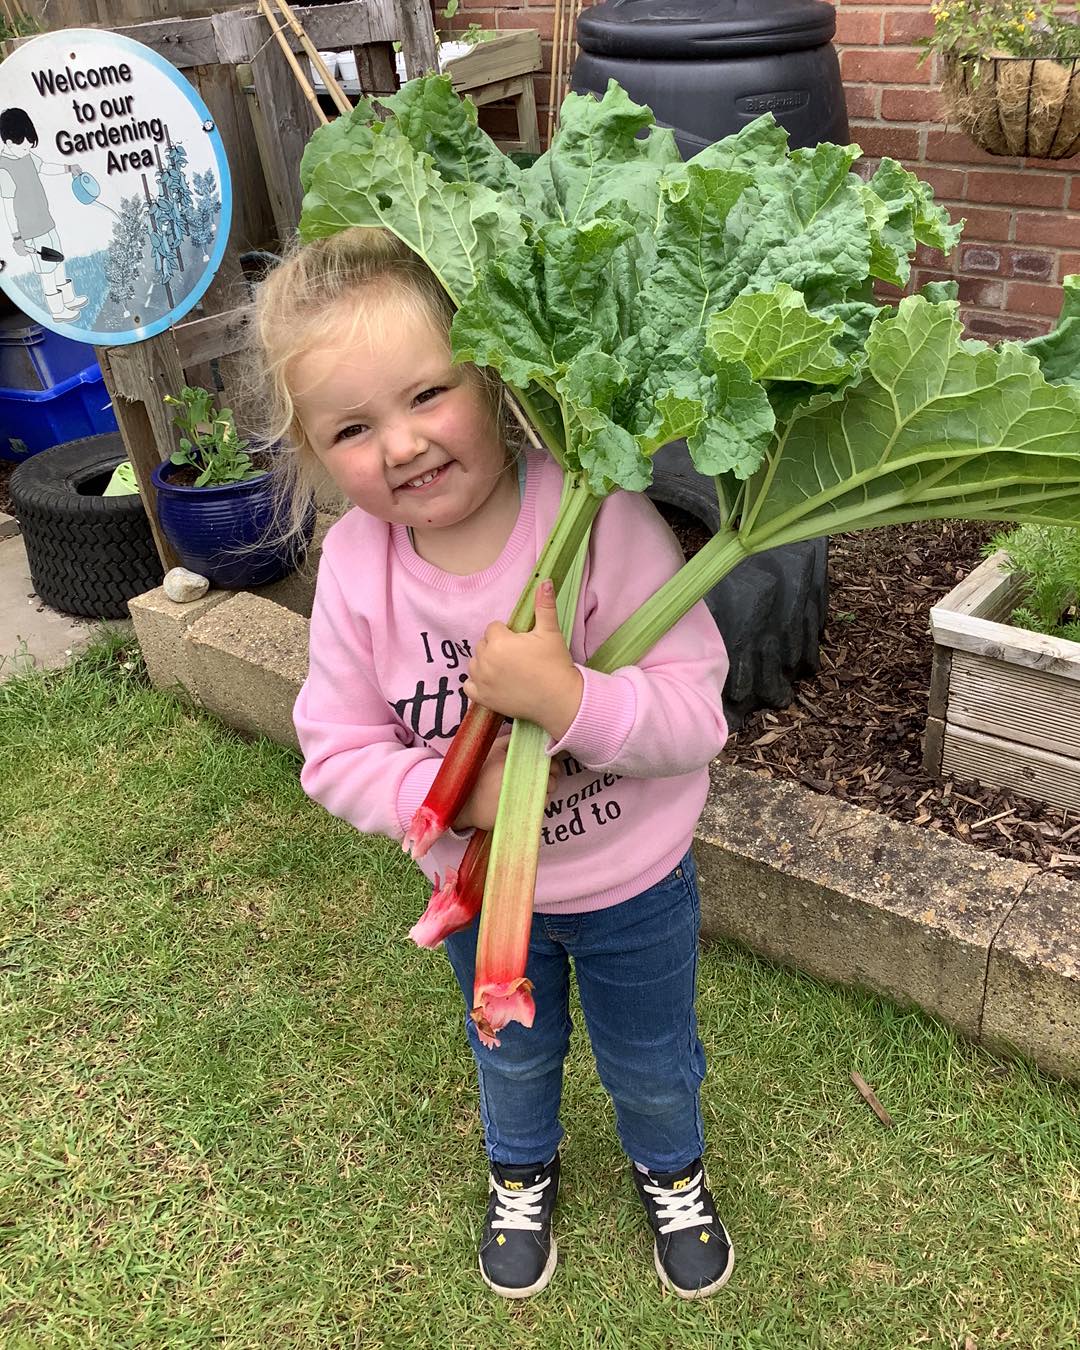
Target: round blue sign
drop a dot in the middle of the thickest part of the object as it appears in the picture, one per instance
(115, 195)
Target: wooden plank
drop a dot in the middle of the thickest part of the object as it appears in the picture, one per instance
(417, 36)
(939, 682)
(138, 377)
(234, 36)
(499, 58)
(182, 42)
(55, 14)
(223, 334)
(289, 121)
(241, 34)
(528, 123)
(989, 592)
(498, 91)
(1026, 770)
(252, 216)
(375, 68)
(1016, 703)
(1002, 642)
(933, 742)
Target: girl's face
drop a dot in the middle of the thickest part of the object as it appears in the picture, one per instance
(404, 433)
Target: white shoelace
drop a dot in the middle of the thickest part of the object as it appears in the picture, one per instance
(683, 1208)
(517, 1209)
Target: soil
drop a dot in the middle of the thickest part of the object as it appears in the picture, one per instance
(186, 474)
(855, 730)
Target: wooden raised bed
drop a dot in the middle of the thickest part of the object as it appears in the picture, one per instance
(1004, 702)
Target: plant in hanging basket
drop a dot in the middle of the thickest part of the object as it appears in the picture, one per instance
(1012, 74)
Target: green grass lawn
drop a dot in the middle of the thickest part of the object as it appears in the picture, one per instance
(238, 1106)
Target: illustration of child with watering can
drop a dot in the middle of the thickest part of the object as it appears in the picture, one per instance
(26, 208)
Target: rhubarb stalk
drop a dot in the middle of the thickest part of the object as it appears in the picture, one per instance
(479, 727)
(501, 991)
(456, 899)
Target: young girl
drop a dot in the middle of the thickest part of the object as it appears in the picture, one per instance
(447, 528)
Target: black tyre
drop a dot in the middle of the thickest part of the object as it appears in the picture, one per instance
(88, 554)
(771, 609)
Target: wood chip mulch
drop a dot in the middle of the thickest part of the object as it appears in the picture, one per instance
(855, 731)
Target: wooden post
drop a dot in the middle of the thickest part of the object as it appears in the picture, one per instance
(253, 222)
(376, 69)
(418, 37)
(138, 377)
(288, 120)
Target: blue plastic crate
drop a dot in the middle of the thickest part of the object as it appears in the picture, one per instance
(32, 420)
(33, 357)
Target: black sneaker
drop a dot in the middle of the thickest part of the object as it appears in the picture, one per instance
(517, 1253)
(693, 1252)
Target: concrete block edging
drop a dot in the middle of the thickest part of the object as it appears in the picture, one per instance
(989, 945)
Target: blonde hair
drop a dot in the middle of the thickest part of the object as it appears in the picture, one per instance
(291, 310)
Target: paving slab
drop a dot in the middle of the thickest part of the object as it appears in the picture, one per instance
(32, 634)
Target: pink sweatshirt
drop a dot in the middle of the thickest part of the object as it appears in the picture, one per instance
(391, 637)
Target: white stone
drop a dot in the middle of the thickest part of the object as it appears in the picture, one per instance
(182, 585)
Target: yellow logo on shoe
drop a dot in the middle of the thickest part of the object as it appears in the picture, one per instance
(501, 1240)
(703, 1237)
(514, 1185)
(681, 1185)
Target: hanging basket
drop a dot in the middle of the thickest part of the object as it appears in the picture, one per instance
(1016, 105)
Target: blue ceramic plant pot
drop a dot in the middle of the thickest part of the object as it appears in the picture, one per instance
(226, 532)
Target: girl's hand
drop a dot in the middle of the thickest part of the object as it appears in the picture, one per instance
(529, 675)
(479, 810)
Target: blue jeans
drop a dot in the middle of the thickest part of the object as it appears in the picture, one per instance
(636, 966)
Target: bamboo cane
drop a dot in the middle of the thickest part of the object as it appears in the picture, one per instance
(340, 98)
(301, 78)
(556, 45)
(571, 44)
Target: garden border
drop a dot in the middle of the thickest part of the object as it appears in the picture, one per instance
(989, 945)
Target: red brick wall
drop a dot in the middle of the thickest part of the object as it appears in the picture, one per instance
(1023, 215)
(1021, 236)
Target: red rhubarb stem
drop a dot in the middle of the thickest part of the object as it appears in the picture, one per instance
(460, 769)
(456, 900)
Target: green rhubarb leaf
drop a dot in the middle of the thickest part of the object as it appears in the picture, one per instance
(378, 179)
(940, 292)
(936, 426)
(541, 304)
(436, 122)
(582, 290)
(777, 338)
(675, 416)
(607, 452)
(692, 275)
(801, 222)
(327, 140)
(1058, 353)
(600, 160)
(761, 142)
(901, 212)
(738, 428)
(504, 323)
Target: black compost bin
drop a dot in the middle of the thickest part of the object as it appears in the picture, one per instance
(708, 68)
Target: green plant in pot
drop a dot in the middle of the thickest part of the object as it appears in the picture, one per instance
(1009, 78)
(218, 504)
